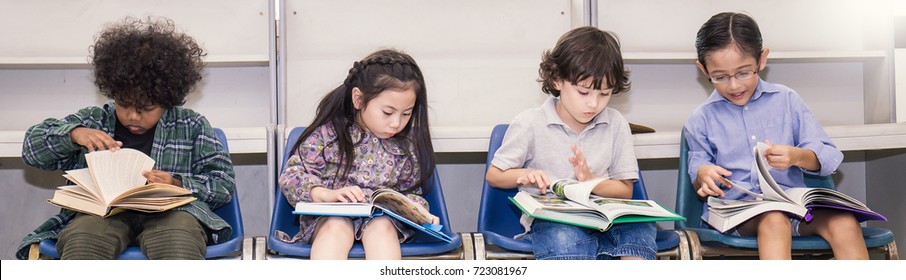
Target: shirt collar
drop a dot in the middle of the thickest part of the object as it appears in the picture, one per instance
(550, 113)
(761, 88)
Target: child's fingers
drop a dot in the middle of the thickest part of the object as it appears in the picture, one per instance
(540, 183)
(545, 180)
(579, 156)
(714, 189)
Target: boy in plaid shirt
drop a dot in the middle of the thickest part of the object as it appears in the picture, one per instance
(147, 68)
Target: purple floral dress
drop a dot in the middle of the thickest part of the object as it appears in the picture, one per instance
(378, 163)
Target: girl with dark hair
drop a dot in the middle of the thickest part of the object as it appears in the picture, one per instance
(582, 72)
(744, 110)
(369, 133)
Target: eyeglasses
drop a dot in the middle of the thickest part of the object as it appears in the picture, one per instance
(741, 75)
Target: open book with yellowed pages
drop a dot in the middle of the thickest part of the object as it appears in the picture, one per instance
(724, 214)
(574, 204)
(113, 182)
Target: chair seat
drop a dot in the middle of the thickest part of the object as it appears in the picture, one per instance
(507, 242)
(874, 237)
(667, 239)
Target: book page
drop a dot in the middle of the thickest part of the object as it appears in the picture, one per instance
(575, 191)
(769, 187)
(82, 178)
(153, 190)
(549, 202)
(727, 182)
(615, 207)
(401, 205)
(79, 192)
(116, 172)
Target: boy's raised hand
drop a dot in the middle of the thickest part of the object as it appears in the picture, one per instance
(162, 177)
(706, 176)
(580, 166)
(780, 156)
(534, 177)
(93, 139)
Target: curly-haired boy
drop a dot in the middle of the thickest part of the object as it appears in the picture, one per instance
(146, 67)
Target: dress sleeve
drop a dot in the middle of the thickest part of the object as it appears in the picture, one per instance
(305, 168)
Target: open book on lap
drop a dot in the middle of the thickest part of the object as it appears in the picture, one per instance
(382, 202)
(724, 214)
(113, 182)
(574, 204)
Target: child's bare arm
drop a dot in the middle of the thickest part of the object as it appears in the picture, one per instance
(515, 177)
(781, 156)
(614, 188)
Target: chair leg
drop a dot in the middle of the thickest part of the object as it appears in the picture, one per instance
(480, 252)
(248, 247)
(695, 246)
(34, 253)
(468, 246)
(892, 251)
(260, 248)
(683, 250)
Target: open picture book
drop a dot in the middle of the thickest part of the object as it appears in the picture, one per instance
(798, 201)
(113, 182)
(382, 202)
(574, 204)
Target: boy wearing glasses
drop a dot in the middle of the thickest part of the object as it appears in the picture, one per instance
(744, 110)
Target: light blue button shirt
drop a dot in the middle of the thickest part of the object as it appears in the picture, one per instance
(721, 133)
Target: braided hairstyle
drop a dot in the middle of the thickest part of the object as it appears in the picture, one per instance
(382, 70)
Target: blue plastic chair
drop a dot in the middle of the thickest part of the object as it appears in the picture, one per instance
(422, 246)
(498, 220)
(230, 213)
(707, 242)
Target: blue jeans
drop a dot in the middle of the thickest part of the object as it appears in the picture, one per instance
(556, 241)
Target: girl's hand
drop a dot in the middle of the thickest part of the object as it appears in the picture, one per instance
(93, 139)
(161, 177)
(534, 177)
(580, 166)
(345, 194)
(706, 176)
(435, 220)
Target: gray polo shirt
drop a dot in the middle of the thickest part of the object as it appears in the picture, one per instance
(537, 138)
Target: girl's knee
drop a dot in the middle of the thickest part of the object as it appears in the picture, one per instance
(381, 226)
(334, 226)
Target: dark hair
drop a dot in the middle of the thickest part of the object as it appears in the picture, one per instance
(143, 62)
(379, 71)
(725, 29)
(582, 53)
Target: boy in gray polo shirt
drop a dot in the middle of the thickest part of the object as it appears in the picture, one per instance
(573, 135)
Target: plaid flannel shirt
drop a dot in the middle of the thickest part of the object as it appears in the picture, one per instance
(185, 145)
